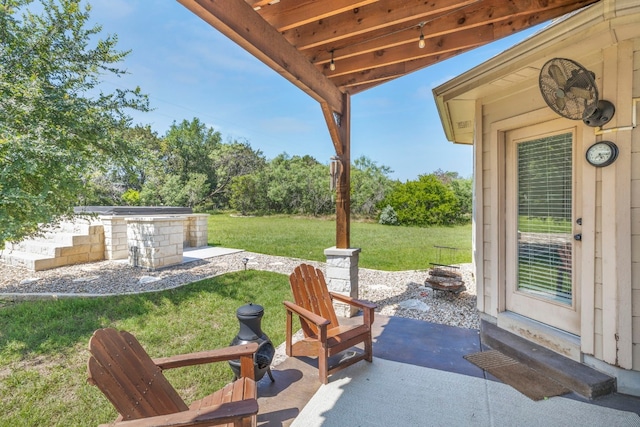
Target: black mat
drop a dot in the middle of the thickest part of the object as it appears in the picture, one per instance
(519, 376)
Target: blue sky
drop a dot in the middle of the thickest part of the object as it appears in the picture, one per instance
(189, 70)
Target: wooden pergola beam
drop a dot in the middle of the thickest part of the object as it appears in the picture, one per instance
(340, 130)
(237, 20)
(366, 79)
(397, 55)
(286, 15)
(369, 18)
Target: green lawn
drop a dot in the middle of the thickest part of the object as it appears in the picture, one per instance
(43, 344)
(383, 247)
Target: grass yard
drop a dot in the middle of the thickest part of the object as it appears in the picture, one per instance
(43, 344)
(383, 247)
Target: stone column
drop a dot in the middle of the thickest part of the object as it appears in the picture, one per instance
(342, 276)
(115, 237)
(155, 242)
(198, 230)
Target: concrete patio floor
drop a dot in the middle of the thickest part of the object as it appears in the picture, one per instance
(396, 339)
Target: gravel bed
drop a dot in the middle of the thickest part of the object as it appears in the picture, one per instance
(400, 293)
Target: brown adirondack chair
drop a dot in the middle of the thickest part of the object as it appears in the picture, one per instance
(323, 335)
(141, 394)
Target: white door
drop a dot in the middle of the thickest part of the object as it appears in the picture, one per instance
(540, 247)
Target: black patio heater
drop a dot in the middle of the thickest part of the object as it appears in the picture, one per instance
(250, 316)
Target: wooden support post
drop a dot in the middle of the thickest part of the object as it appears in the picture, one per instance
(340, 130)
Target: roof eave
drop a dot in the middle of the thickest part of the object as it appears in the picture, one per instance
(493, 68)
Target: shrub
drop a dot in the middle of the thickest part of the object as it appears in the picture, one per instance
(388, 216)
(131, 197)
(424, 202)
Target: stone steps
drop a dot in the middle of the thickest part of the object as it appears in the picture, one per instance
(582, 379)
(30, 261)
(69, 243)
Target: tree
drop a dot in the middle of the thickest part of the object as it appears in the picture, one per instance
(446, 177)
(290, 185)
(187, 148)
(370, 184)
(54, 120)
(249, 194)
(120, 180)
(195, 168)
(463, 189)
(231, 160)
(298, 185)
(182, 161)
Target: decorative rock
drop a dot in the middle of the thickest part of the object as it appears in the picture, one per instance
(85, 279)
(414, 304)
(387, 289)
(148, 279)
(380, 287)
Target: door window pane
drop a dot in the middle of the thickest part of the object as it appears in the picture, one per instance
(544, 217)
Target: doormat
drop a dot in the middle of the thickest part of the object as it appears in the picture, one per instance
(519, 376)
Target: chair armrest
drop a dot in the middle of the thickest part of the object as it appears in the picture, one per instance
(208, 356)
(213, 415)
(306, 314)
(366, 307)
(352, 301)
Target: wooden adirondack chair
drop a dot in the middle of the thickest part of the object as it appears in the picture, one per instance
(141, 394)
(323, 335)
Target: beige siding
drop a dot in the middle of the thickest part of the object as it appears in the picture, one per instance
(607, 262)
(635, 213)
(607, 259)
(599, 329)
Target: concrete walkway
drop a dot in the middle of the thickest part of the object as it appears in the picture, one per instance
(419, 361)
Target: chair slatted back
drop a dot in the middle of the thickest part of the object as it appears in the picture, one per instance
(125, 373)
(310, 292)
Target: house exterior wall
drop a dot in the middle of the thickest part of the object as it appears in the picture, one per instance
(607, 259)
(635, 212)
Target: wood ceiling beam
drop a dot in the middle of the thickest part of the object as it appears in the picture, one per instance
(360, 81)
(485, 34)
(492, 11)
(259, 3)
(286, 15)
(237, 20)
(499, 26)
(325, 36)
(506, 27)
(388, 72)
(409, 52)
(380, 14)
(379, 47)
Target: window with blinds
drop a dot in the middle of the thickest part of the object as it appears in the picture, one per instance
(544, 217)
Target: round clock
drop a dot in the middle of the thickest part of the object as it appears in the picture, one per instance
(602, 153)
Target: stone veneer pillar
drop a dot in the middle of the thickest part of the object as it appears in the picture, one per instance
(155, 242)
(342, 276)
(198, 230)
(115, 237)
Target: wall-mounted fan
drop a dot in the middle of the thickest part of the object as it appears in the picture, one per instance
(570, 90)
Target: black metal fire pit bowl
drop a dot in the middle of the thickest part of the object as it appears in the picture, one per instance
(250, 317)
